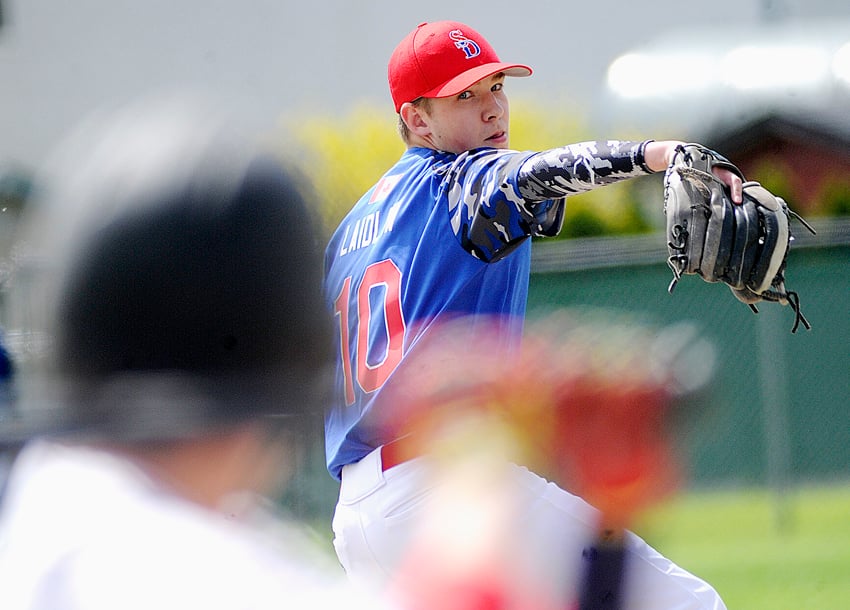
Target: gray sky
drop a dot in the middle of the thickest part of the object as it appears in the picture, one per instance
(59, 60)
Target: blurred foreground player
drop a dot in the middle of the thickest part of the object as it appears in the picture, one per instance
(169, 285)
(598, 402)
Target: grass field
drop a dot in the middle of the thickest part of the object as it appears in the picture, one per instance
(760, 550)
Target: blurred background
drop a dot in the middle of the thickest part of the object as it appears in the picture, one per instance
(766, 82)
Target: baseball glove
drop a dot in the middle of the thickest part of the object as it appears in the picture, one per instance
(744, 246)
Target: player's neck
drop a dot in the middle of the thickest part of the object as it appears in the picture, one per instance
(205, 470)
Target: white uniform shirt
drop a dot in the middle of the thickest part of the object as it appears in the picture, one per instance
(85, 530)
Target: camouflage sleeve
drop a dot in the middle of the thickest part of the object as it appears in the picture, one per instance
(499, 198)
(577, 168)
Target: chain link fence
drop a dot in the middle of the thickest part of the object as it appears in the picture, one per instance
(778, 413)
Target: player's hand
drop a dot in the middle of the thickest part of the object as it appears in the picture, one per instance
(659, 155)
(733, 181)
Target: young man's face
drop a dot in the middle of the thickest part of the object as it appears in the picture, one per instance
(475, 118)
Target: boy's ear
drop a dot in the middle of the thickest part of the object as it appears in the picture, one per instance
(415, 119)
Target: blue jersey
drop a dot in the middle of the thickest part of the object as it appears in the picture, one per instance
(442, 235)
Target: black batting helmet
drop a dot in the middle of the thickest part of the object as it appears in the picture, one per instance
(169, 280)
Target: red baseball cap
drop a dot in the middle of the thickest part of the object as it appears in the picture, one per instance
(442, 59)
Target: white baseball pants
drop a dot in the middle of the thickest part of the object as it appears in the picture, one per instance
(380, 514)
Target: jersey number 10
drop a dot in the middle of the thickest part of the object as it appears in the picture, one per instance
(378, 303)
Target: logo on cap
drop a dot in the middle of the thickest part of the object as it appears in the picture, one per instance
(469, 47)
